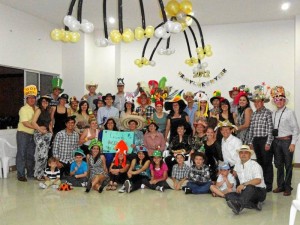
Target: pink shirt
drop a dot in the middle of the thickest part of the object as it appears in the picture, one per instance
(159, 172)
(152, 143)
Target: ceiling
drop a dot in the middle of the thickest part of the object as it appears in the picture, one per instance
(208, 12)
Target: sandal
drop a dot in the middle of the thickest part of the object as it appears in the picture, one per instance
(109, 187)
(114, 187)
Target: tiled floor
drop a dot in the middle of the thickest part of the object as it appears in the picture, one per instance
(25, 203)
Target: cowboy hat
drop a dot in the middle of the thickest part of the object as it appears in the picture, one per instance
(91, 84)
(245, 148)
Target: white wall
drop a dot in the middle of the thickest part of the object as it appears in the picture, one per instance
(297, 81)
(25, 42)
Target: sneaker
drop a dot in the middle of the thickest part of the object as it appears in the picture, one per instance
(143, 186)
(188, 191)
(259, 206)
(127, 186)
(160, 188)
(54, 186)
(122, 189)
(183, 188)
(22, 179)
(88, 187)
(235, 206)
(83, 184)
(42, 185)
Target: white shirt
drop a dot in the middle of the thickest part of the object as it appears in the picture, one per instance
(106, 112)
(248, 171)
(231, 180)
(288, 124)
(229, 147)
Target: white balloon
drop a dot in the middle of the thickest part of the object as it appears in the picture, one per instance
(177, 28)
(173, 51)
(74, 26)
(159, 32)
(103, 42)
(68, 20)
(97, 42)
(195, 70)
(152, 63)
(161, 51)
(204, 65)
(169, 25)
(84, 21)
(87, 27)
(199, 66)
(166, 35)
(181, 16)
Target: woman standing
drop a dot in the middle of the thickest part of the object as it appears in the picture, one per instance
(128, 106)
(160, 117)
(243, 116)
(59, 114)
(154, 140)
(213, 152)
(202, 113)
(97, 167)
(225, 113)
(42, 136)
(82, 117)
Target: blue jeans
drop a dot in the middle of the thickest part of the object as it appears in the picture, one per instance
(25, 154)
(201, 188)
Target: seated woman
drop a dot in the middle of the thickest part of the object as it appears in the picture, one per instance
(199, 137)
(118, 171)
(213, 153)
(154, 140)
(97, 167)
(110, 124)
(89, 134)
(160, 117)
(181, 143)
(138, 172)
(82, 117)
(159, 173)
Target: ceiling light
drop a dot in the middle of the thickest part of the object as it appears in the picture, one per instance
(111, 20)
(285, 6)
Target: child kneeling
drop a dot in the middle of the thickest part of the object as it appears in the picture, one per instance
(225, 182)
(199, 176)
(52, 174)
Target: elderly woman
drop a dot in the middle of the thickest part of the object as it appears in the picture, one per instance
(160, 117)
(42, 136)
(88, 135)
(82, 117)
(154, 140)
(59, 114)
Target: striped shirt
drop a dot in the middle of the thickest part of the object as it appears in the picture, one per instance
(180, 173)
(261, 125)
(52, 175)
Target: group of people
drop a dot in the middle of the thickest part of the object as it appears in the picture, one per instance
(226, 150)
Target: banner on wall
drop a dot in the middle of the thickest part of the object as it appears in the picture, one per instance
(111, 138)
(203, 84)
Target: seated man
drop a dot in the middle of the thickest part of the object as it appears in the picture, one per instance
(252, 189)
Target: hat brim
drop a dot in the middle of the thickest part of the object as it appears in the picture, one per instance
(169, 105)
(213, 98)
(139, 119)
(157, 127)
(62, 90)
(89, 85)
(265, 100)
(245, 150)
(79, 152)
(67, 100)
(139, 100)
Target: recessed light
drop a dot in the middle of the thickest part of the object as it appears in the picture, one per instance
(285, 6)
(111, 20)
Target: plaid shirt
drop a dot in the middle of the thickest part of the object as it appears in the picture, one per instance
(261, 125)
(146, 112)
(180, 173)
(199, 175)
(64, 144)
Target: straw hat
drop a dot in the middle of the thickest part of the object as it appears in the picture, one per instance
(138, 119)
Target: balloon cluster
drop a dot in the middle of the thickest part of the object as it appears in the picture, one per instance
(144, 62)
(199, 70)
(202, 52)
(128, 35)
(168, 51)
(140, 33)
(65, 36)
(169, 27)
(74, 25)
(180, 11)
(191, 61)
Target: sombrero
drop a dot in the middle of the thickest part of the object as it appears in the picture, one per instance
(138, 119)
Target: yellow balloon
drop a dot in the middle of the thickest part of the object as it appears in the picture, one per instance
(209, 53)
(186, 6)
(144, 60)
(172, 8)
(207, 47)
(187, 61)
(128, 35)
(56, 35)
(201, 56)
(75, 37)
(67, 37)
(194, 60)
(149, 31)
(184, 26)
(115, 36)
(140, 65)
(139, 33)
(137, 62)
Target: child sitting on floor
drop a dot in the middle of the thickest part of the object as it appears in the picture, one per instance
(180, 173)
(159, 173)
(199, 176)
(52, 174)
(225, 183)
(78, 170)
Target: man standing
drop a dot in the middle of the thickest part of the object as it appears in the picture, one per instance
(252, 189)
(120, 96)
(191, 108)
(286, 133)
(145, 109)
(65, 143)
(108, 110)
(25, 141)
(56, 91)
(260, 135)
(229, 143)
(92, 95)
(233, 93)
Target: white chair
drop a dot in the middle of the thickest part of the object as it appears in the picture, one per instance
(7, 152)
(295, 207)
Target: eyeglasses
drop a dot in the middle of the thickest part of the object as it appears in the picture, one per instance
(279, 99)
